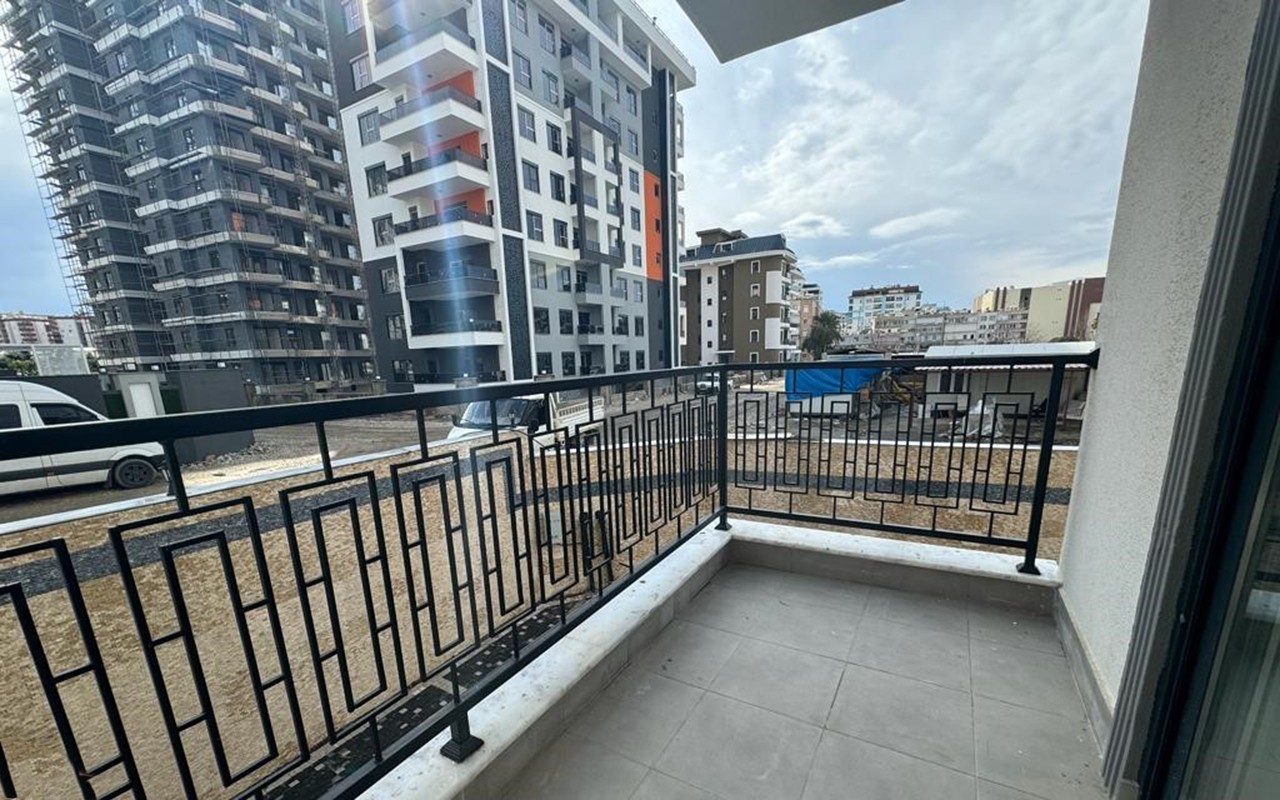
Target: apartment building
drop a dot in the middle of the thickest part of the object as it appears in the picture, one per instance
(516, 184)
(28, 329)
(1062, 310)
(807, 300)
(919, 329)
(195, 175)
(867, 304)
(739, 301)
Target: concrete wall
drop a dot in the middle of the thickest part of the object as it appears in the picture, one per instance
(1183, 126)
(1047, 318)
(207, 390)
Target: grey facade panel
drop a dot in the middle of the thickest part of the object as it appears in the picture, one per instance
(495, 28)
(504, 148)
(517, 307)
(343, 49)
(382, 305)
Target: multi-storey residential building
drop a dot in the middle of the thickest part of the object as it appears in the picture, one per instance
(516, 184)
(867, 304)
(193, 162)
(807, 300)
(739, 302)
(920, 329)
(1062, 310)
(27, 329)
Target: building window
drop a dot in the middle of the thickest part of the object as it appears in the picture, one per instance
(569, 363)
(755, 312)
(633, 180)
(395, 326)
(637, 291)
(708, 323)
(534, 220)
(122, 61)
(550, 88)
(561, 229)
(390, 280)
(539, 272)
(639, 355)
(532, 182)
(546, 34)
(611, 80)
(369, 132)
(189, 139)
(384, 233)
(520, 15)
(544, 363)
(353, 14)
(633, 142)
(553, 139)
(402, 371)
(755, 290)
(376, 176)
(637, 256)
(709, 301)
(755, 267)
(635, 219)
(361, 76)
(639, 326)
(566, 321)
(541, 320)
(755, 358)
(633, 101)
(197, 180)
(565, 279)
(170, 49)
(615, 125)
(557, 187)
(527, 129)
(753, 337)
(708, 280)
(657, 225)
(524, 72)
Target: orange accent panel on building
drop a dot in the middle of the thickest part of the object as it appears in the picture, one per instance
(654, 238)
(470, 142)
(474, 199)
(466, 82)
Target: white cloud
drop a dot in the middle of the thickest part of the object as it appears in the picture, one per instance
(755, 84)
(837, 262)
(901, 226)
(813, 226)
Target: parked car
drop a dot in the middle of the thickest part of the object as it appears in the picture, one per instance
(531, 413)
(710, 384)
(30, 405)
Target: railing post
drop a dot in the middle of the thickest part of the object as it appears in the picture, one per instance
(722, 443)
(462, 743)
(1042, 467)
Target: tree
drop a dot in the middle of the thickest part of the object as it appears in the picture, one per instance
(22, 364)
(824, 333)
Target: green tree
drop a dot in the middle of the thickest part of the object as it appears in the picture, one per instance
(22, 364)
(824, 333)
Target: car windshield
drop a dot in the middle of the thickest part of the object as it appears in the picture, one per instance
(510, 413)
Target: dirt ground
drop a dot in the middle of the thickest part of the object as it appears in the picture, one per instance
(367, 599)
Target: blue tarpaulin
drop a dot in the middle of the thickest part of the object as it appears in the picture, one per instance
(803, 384)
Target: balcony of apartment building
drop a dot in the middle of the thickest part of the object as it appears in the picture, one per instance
(443, 113)
(421, 48)
(456, 280)
(455, 321)
(575, 62)
(447, 172)
(448, 229)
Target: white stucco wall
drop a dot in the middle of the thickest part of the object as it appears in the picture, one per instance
(1180, 140)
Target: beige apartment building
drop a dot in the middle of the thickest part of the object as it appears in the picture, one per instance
(739, 299)
(808, 304)
(1062, 310)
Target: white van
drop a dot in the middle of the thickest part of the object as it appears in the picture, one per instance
(529, 412)
(30, 405)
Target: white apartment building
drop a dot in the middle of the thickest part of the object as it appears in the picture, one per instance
(867, 304)
(514, 171)
(920, 329)
(37, 329)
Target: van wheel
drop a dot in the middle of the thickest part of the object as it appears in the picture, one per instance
(133, 473)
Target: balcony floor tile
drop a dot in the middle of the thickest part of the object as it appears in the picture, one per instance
(791, 682)
(771, 684)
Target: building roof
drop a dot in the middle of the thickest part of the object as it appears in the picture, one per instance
(897, 288)
(1024, 349)
(736, 247)
(734, 28)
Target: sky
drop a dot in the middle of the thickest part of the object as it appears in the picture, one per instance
(954, 145)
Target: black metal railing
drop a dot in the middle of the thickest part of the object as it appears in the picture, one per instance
(457, 326)
(338, 621)
(427, 100)
(450, 273)
(412, 37)
(446, 216)
(453, 154)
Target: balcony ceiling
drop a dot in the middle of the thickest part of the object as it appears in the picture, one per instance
(734, 28)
